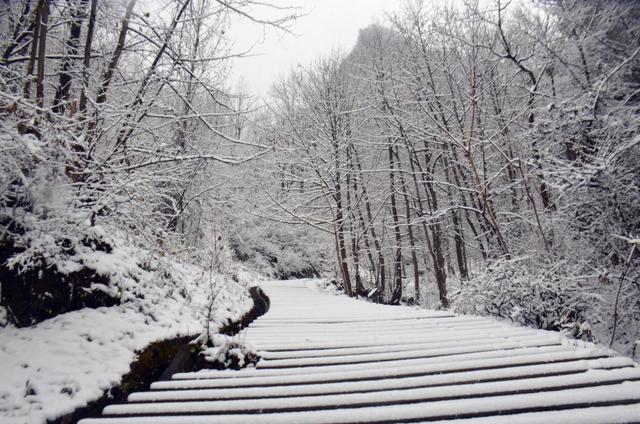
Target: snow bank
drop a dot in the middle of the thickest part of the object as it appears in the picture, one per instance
(65, 362)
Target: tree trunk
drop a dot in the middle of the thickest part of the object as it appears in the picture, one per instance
(33, 52)
(64, 78)
(434, 236)
(339, 219)
(489, 212)
(42, 53)
(381, 274)
(19, 31)
(396, 293)
(342, 255)
(355, 246)
(86, 60)
(437, 254)
(129, 126)
(117, 52)
(458, 235)
(412, 243)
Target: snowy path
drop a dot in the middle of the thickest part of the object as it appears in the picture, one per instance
(330, 359)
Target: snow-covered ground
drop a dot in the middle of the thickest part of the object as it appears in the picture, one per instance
(63, 363)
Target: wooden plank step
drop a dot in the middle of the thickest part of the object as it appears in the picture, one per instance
(406, 354)
(387, 341)
(258, 325)
(391, 383)
(374, 373)
(620, 394)
(395, 347)
(600, 378)
(393, 364)
(311, 341)
(350, 332)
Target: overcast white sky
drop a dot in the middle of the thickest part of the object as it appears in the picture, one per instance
(328, 24)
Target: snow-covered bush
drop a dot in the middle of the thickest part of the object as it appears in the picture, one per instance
(326, 285)
(542, 299)
(224, 352)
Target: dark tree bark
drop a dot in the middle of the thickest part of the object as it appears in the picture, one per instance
(42, 52)
(355, 245)
(64, 78)
(432, 232)
(117, 52)
(20, 31)
(129, 124)
(341, 250)
(339, 230)
(86, 61)
(33, 51)
(396, 293)
(412, 242)
(381, 271)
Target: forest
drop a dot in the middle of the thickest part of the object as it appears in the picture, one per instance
(481, 157)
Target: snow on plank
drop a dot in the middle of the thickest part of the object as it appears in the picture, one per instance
(386, 397)
(625, 393)
(362, 362)
(374, 365)
(374, 340)
(374, 373)
(394, 347)
(465, 377)
(406, 325)
(407, 354)
(368, 324)
(286, 342)
(349, 333)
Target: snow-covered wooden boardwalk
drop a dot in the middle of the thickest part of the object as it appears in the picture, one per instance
(330, 359)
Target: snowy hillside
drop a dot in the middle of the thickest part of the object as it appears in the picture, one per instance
(63, 363)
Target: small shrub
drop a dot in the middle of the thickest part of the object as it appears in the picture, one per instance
(229, 353)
